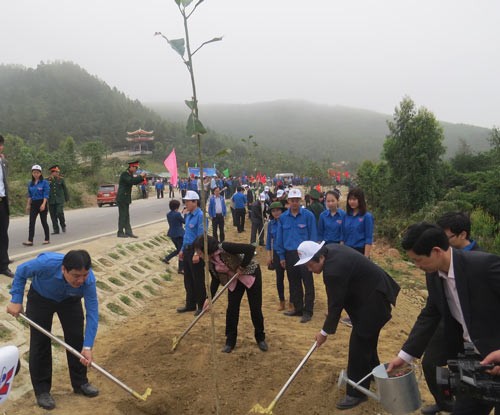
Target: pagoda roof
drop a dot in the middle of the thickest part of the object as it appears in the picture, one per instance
(140, 131)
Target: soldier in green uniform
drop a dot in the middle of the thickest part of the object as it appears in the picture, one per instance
(58, 195)
(316, 206)
(124, 198)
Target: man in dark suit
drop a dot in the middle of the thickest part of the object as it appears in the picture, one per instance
(124, 198)
(464, 291)
(4, 215)
(366, 292)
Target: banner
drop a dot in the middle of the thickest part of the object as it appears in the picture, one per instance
(171, 165)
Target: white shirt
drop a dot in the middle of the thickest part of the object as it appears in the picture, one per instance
(218, 205)
(2, 185)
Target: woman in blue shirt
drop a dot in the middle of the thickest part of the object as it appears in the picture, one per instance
(38, 194)
(358, 223)
(175, 232)
(331, 220)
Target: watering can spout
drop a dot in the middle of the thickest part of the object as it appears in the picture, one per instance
(343, 379)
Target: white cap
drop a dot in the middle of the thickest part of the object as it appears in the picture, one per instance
(191, 195)
(294, 193)
(266, 188)
(307, 250)
(280, 193)
(262, 197)
(36, 167)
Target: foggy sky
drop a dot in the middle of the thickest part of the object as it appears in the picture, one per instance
(444, 54)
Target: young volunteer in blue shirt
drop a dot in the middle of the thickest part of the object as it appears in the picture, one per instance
(240, 203)
(358, 223)
(194, 273)
(38, 196)
(175, 232)
(59, 282)
(331, 220)
(297, 225)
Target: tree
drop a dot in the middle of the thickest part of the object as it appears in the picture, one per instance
(413, 152)
(94, 152)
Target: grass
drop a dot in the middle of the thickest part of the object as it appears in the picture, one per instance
(148, 245)
(125, 300)
(106, 262)
(122, 252)
(159, 238)
(167, 277)
(131, 248)
(113, 255)
(149, 259)
(154, 243)
(156, 281)
(5, 333)
(103, 286)
(96, 268)
(116, 309)
(116, 281)
(150, 289)
(144, 265)
(138, 294)
(127, 275)
(137, 269)
(140, 246)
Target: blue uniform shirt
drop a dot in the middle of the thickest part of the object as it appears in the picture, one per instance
(175, 222)
(211, 206)
(358, 230)
(240, 200)
(48, 281)
(292, 230)
(272, 229)
(193, 228)
(330, 226)
(39, 191)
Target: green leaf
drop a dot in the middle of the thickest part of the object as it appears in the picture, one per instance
(224, 152)
(190, 104)
(178, 45)
(194, 126)
(178, 2)
(186, 3)
(200, 128)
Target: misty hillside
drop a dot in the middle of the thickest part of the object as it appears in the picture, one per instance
(336, 133)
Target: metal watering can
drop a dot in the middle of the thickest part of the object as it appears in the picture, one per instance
(398, 395)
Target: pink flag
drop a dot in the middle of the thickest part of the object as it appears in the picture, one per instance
(171, 165)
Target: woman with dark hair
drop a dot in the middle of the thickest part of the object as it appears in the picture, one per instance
(175, 233)
(38, 195)
(331, 220)
(225, 260)
(358, 223)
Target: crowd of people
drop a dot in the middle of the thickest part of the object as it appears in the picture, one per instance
(303, 235)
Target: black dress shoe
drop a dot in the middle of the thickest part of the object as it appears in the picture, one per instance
(350, 402)
(64, 228)
(293, 313)
(185, 309)
(305, 318)
(7, 272)
(121, 235)
(436, 409)
(227, 349)
(131, 235)
(46, 401)
(87, 390)
(263, 345)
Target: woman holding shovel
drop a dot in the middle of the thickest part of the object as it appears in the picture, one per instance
(225, 260)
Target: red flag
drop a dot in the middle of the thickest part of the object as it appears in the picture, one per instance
(258, 177)
(263, 179)
(171, 165)
(318, 187)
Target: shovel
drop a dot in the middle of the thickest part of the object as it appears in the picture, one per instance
(176, 340)
(80, 356)
(258, 409)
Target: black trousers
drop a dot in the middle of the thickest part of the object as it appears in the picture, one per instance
(70, 312)
(34, 212)
(159, 193)
(56, 211)
(171, 192)
(218, 227)
(254, 295)
(280, 276)
(301, 297)
(194, 280)
(178, 245)
(4, 235)
(435, 355)
(239, 216)
(256, 228)
(124, 218)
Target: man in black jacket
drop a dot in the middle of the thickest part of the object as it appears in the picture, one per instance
(4, 216)
(366, 292)
(464, 291)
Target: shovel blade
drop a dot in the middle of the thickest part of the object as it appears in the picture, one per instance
(258, 409)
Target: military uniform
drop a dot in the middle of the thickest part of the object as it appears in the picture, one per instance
(124, 199)
(58, 195)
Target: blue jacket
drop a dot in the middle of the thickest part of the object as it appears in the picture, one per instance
(272, 229)
(330, 227)
(39, 191)
(175, 222)
(194, 227)
(292, 230)
(358, 230)
(240, 200)
(211, 206)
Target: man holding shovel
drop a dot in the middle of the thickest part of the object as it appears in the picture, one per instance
(59, 282)
(365, 291)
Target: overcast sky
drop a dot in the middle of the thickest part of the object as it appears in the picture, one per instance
(444, 54)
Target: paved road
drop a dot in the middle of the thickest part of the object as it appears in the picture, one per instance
(85, 224)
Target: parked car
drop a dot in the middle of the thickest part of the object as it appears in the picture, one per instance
(107, 194)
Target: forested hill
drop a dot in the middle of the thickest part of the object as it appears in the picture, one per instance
(335, 133)
(56, 100)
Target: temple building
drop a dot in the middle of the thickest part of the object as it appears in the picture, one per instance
(139, 142)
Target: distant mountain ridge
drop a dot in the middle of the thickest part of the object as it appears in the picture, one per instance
(318, 131)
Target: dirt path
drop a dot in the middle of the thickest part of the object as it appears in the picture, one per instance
(138, 352)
